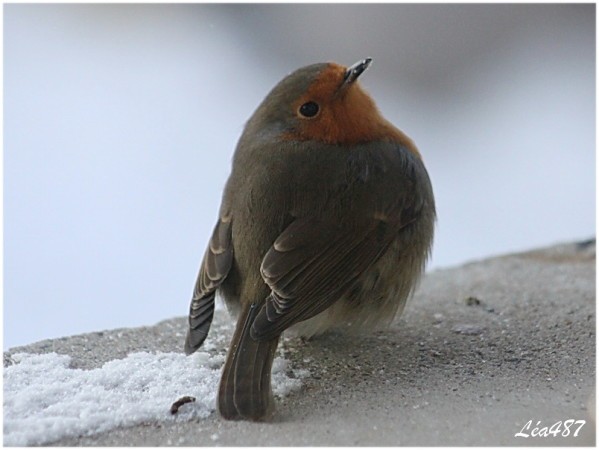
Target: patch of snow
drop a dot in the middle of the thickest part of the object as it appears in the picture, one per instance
(46, 400)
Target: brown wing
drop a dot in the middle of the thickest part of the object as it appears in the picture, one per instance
(214, 269)
(312, 263)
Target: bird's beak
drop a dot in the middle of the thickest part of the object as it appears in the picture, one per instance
(353, 72)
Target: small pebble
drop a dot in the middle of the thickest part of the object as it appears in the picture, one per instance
(472, 301)
(467, 329)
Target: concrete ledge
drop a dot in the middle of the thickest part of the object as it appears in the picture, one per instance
(481, 350)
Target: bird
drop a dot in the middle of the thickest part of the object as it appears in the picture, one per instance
(326, 224)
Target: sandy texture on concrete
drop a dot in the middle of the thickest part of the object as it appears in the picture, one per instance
(481, 350)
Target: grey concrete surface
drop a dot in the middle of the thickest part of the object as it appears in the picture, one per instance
(481, 350)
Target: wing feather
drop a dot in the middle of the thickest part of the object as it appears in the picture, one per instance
(311, 265)
(214, 269)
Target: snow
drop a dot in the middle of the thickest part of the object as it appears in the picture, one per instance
(46, 400)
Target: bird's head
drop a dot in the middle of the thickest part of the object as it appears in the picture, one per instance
(324, 103)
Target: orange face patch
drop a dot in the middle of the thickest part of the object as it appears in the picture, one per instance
(347, 115)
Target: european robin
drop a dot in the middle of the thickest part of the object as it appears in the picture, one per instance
(326, 221)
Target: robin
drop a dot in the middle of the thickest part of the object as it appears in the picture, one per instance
(326, 222)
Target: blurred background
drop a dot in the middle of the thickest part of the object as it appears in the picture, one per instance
(120, 122)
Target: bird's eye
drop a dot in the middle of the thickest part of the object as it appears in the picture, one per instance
(309, 109)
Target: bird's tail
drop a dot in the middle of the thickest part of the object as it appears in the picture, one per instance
(245, 392)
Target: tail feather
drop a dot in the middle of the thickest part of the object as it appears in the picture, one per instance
(245, 392)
